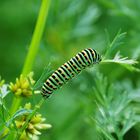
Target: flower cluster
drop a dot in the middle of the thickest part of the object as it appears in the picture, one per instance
(22, 87)
(34, 126)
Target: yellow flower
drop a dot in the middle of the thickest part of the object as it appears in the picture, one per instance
(34, 126)
(22, 87)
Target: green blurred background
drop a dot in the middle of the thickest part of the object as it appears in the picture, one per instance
(71, 26)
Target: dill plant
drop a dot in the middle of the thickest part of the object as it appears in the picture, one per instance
(116, 112)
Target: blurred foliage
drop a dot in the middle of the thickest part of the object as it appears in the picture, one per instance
(75, 111)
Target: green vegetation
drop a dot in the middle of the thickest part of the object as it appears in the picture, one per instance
(102, 103)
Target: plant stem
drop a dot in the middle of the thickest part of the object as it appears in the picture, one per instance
(15, 104)
(34, 46)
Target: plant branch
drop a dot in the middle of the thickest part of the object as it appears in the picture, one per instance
(29, 118)
(35, 42)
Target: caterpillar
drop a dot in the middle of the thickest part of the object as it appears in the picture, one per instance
(68, 70)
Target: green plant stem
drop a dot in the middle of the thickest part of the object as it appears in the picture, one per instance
(15, 105)
(33, 49)
(34, 46)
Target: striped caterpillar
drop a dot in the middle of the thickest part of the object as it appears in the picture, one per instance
(68, 70)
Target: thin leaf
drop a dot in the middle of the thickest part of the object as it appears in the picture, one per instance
(128, 124)
(124, 61)
(45, 74)
(102, 130)
(18, 113)
(117, 41)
